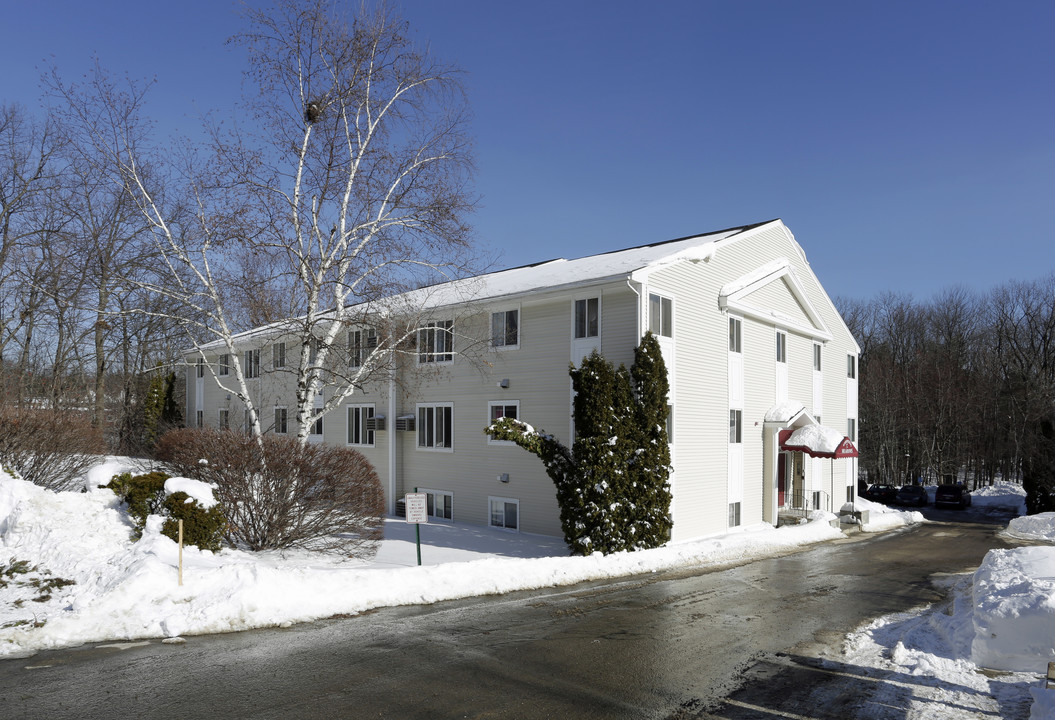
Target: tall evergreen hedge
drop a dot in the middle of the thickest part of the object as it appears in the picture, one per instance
(613, 484)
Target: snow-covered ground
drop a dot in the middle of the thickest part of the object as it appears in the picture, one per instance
(69, 574)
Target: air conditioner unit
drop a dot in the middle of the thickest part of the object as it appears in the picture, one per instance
(405, 423)
(375, 423)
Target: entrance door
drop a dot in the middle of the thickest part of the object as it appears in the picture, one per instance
(798, 479)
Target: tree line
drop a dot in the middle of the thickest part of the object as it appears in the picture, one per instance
(960, 387)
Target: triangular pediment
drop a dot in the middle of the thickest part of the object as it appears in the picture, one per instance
(773, 293)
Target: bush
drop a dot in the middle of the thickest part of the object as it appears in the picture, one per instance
(47, 448)
(277, 493)
(203, 527)
(145, 495)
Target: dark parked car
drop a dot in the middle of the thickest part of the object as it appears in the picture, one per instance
(881, 493)
(912, 495)
(956, 495)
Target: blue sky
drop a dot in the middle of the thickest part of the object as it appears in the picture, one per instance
(908, 145)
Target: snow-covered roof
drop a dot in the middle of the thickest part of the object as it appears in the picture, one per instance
(817, 438)
(563, 273)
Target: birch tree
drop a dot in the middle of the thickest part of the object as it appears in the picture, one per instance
(346, 180)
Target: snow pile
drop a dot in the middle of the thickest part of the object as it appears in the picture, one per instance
(1001, 494)
(882, 517)
(110, 587)
(1014, 609)
(919, 663)
(1032, 527)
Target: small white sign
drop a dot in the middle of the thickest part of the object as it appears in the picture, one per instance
(417, 508)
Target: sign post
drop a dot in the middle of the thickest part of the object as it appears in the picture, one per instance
(417, 512)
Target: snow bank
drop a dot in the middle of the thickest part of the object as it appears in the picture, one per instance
(1014, 610)
(1032, 527)
(882, 517)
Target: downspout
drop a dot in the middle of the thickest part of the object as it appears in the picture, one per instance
(393, 437)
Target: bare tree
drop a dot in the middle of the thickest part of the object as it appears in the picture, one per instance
(351, 188)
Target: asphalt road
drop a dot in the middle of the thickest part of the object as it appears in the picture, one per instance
(731, 642)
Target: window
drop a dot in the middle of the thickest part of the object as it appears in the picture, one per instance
(736, 418)
(225, 420)
(225, 364)
(360, 345)
(252, 363)
(281, 425)
(587, 318)
(358, 433)
(436, 426)
(735, 332)
(245, 421)
(851, 366)
(849, 493)
(439, 505)
(505, 328)
(670, 424)
(201, 367)
(660, 315)
(816, 357)
(316, 427)
(816, 499)
(436, 342)
(278, 355)
(199, 419)
(734, 514)
(782, 347)
(851, 429)
(505, 513)
(500, 409)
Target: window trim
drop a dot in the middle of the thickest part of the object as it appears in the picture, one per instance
(251, 368)
(285, 420)
(490, 418)
(359, 349)
(666, 317)
(278, 355)
(224, 365)
(423, 427)
(505, 501)
(435, 494)
(735, 519)
(364, 432)
(736, 339)
(736, 426)
(782, 346)
(818, 354)
(851, 367)
(596, 300)
(505, 312)
(427, 336)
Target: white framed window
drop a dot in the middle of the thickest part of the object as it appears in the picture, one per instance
(252, 363)
(851, 366)
(660, 315)
(499, 409)
(851, 429)
(224, 419)
(736, 421)
(436, 426)
(201, 367)
(358, 432)
(670, 424)
(439, 504)
(281, 421)
(782, 346)
(245, 420)
(734, 514)
(200, 419)
(436, 342)
(278, 355)
(505, 329)
(224, 365)
(360, 344)
(316, 426)
(816, 357)
(587, 318)
(504, 513)
(735, 335)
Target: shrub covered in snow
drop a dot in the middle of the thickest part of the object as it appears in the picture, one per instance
(277, 493)
(148, 494)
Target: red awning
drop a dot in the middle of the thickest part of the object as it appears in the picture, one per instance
(817, 441)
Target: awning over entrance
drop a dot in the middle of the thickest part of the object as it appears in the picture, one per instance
(817, 441)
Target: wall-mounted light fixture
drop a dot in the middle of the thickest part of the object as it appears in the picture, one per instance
(504, 477)
(503, 383)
